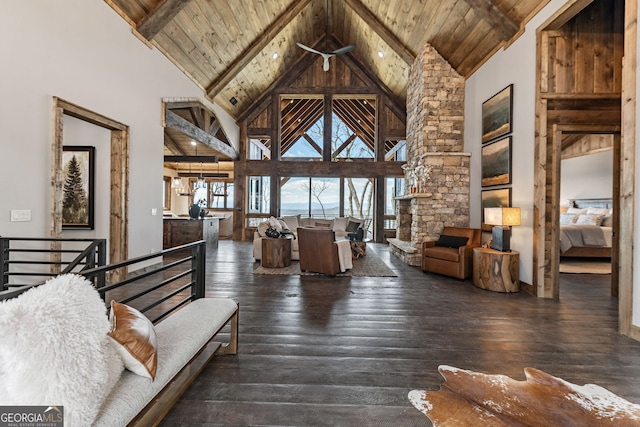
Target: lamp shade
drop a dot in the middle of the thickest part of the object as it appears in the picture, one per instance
(177, 184)
(502, 216)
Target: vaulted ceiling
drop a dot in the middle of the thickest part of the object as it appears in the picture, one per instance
(236, 50)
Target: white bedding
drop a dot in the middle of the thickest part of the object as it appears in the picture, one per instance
(584, 236)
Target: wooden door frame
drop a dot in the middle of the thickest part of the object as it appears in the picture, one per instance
(119, 200)
(544, 285)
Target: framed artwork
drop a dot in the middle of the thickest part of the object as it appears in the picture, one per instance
(497, 115)
(497, 198)
(496, 162)
(78, 187)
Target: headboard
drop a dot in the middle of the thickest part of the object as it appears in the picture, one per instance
(591, 203)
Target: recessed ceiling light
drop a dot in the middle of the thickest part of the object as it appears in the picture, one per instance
(380, 53)
(275, 55)
(193, 142)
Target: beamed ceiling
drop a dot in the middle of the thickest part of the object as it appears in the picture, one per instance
(236, 51)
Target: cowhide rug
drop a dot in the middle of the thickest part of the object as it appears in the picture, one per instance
(473, 399)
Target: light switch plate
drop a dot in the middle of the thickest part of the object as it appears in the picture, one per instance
(20, 215)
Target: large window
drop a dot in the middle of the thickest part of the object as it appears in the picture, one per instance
(310, 197)
(302, 128)
(259, 149)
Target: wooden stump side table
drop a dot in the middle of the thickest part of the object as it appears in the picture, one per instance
(496, 271)
(276, 253)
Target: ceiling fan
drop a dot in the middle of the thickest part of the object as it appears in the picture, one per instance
(328, 55)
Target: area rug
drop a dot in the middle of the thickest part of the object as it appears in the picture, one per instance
(585, 266)
(367, 266)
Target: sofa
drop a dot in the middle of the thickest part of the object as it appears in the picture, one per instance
(341, 226)
(452, 253)
(59, 346)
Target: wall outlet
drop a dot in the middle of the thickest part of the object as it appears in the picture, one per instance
(154, 211)
(20, 215)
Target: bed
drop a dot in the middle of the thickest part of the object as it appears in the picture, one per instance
(586, 229)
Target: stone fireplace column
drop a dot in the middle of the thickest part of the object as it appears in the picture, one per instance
(437, 169)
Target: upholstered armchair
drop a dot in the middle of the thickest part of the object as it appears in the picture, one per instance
(452, 253)
(318, 250)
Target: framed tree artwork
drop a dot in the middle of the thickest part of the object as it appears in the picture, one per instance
(78, 164)
(497, 198)
(496, 162)
(497, 115)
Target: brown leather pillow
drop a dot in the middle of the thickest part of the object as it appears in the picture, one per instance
(135, 339)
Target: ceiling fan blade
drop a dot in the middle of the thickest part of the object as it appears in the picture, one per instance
(325, 66)
(308, 48)
(344, 49)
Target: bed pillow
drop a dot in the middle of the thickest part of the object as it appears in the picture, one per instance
(340, 223)
(54, 349)
(589, 219)
(577, 211)
(451, 241)
(598, 211)
(567, 218)
(135, 339)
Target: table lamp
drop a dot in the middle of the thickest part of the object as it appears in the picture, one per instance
(502, 219)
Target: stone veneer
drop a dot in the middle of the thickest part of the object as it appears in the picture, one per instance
(435, 125)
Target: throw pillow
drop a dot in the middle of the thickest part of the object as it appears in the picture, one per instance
(607, 221)
(273, 221)
(590, 219)
(352, 226)
(135, 339)
(577, 211)
(340, 223)
(54, 349)
(262, 228)
(567, 218)
(292, 222)
(598, 211)
(451, 241)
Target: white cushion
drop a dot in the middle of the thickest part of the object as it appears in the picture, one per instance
(340, 223)
(54, 349)
(273, 221)
(577, 211)
(567, 218)
(262, 228)
(292, 222)
(598, 211)
(590, 219)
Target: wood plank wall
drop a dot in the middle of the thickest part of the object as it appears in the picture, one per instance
(580, 81)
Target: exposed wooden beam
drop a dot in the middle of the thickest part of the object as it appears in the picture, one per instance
(163, 13)
(382, 31)
(176, 122)
(172, 145)
(344, 145)
(312, 143)
(191, 159)
(259, 43)
(496, 17)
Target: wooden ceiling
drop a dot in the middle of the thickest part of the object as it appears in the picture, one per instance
(238, 49)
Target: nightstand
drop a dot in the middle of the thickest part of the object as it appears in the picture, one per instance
(496, 271)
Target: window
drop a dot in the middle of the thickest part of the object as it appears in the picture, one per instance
(358, 199)
(395, 150)
(310, 197)
(353, 128)
(259, 149)
(302, 128)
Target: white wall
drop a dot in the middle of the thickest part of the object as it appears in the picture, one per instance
(516, 65)
(83, 52)
(586, 177)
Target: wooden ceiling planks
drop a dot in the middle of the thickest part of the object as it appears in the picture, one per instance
(227, 47)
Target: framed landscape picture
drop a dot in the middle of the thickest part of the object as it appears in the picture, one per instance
(497, 115)
(496, 162)
(494, 199)
(78, 188)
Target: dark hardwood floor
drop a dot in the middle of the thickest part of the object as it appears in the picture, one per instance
(345, 351)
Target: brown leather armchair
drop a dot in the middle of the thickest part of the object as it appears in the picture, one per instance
(451, 255)
(318, 250)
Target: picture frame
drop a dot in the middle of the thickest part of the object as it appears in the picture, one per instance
(497, 115)
(78, 193)
(500, 197)
(496, 162)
